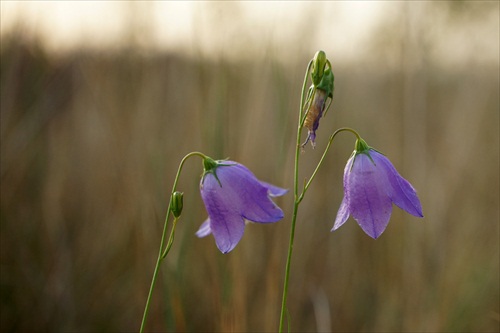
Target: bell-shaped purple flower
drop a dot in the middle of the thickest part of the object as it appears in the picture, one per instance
(371, 186)
(232, 194)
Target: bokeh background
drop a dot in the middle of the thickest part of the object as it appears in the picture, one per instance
(101, 100)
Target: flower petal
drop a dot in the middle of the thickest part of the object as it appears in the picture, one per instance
(401, 191)
(342, 214)
(226, 224)
(274, 191)
(227, 230)
(231, 193)
(368, 202)
(204, 229)
(247, 195)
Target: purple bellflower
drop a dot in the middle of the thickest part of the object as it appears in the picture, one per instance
(232, 194)
(371, 186)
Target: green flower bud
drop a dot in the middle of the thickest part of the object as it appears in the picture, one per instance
(176, 202)
(318, 67)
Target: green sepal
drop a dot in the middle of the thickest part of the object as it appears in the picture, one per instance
(327, 82)
(361, 147)
(210, 166)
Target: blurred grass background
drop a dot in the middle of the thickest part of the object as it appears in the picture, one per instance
(91, 140)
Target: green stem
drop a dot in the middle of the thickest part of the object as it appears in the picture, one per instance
(297, 198)
(162, 254)
(296, 202)
(332, 137)
(170, 239)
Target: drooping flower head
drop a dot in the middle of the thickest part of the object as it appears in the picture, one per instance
(232, 194)
(319, 94)
(371, 186)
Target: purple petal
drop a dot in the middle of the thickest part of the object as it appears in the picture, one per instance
(230, 197)
(368, 202)
(227, 230)
(204, 229)
(226, 224)
(342, 214)
(274, 191)
(245, 193)
(401, 192)
(311, 135)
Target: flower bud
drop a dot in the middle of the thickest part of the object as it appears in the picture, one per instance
(176, 203)
(318, 67)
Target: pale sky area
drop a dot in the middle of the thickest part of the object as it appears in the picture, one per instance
(251, 28)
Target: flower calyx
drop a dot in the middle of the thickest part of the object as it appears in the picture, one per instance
(210, 166)
(361, 147)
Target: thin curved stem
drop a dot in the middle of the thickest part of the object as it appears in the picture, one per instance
(170, 239)
(298, 199)
(332, 137)
(162, 242)
(296, 203)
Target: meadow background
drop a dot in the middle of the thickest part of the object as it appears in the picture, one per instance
(91, 137)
